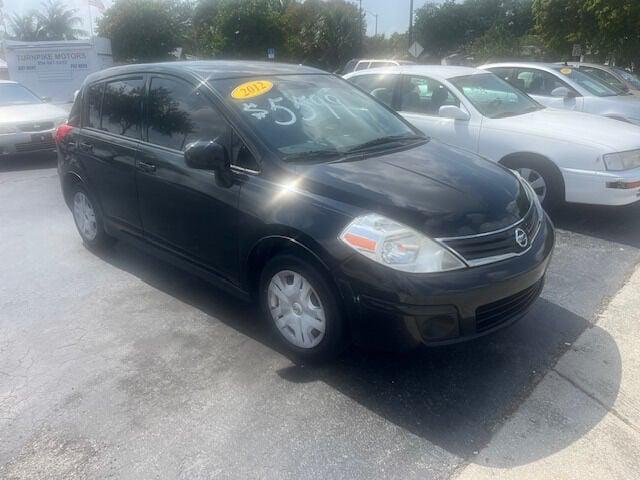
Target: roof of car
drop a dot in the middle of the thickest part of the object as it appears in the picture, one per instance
(440, 71)
(539, 65)
(7, 81)
(209, 69)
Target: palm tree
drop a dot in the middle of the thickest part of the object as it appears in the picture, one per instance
(59, 22)
(25, 27)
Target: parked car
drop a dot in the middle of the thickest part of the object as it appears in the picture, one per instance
(616, 78)
(568, 88)
(356, 64)
(27, 122)
(564, 155)
(292, 187)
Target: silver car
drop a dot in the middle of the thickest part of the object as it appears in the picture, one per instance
(27, 122)
(616, 77)
(566, 87)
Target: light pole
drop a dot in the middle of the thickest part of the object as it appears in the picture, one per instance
(376, 16)
(410, 23)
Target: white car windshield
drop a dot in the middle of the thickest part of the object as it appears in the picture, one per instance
(314, 117)
(493, 97)
(590, 83)
(14, 94)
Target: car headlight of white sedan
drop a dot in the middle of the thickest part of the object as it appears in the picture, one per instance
(622, 160)
(4, 129)
(397, 246)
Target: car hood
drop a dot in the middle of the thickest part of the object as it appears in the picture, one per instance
(38, 112)
(574, 127)
(436, 189)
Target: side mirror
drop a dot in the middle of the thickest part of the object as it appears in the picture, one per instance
(453, 112)
(46, 99)
(562, 92)
(209, 155)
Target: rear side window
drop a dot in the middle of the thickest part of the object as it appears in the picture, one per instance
(178, 115)
(75, 113)
(378, 86)
(93, 102)
(538, 82)
(122, 107)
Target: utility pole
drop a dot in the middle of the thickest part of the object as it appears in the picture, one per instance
(376, 16)
(410, 23)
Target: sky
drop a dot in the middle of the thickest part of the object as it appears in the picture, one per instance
(393, 15)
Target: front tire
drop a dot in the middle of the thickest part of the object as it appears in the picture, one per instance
(302, 308)
(88, 220)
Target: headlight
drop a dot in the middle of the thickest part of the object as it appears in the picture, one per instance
(622, 160)
(397, 246)
(7, 129)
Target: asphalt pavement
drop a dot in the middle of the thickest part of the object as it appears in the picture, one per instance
(122, 366)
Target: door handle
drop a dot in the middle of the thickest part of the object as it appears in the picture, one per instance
(85, 147)
(146, 167)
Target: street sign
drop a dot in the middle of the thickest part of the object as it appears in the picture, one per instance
(271, 53)
(577, 50)
(416, 49)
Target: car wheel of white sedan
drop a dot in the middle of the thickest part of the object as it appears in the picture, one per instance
(537, 182)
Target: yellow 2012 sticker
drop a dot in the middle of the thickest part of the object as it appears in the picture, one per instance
(566, 71)
(255, 88)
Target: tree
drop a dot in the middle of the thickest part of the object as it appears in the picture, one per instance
(326, 34)
(141, 30)
(25, 27)
(442, 29)
(57, 22)
(240, 28)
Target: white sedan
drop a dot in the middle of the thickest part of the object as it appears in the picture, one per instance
(566, 87)
(27, 122)
(566, 156)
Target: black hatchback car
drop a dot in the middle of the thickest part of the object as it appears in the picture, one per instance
(291, 187)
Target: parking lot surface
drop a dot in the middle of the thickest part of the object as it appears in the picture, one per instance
(121, 366)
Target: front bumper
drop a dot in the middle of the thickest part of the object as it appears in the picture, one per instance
(391, 310)
(602, 188)
(27, 142)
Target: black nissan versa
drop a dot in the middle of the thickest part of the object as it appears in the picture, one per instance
(289, 186)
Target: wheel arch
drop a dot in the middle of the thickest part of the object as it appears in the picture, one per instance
(69, 180)
(534, 159)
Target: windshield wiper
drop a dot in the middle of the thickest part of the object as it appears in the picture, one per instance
(311, 155)
(383, 141)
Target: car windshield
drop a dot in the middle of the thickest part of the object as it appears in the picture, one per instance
(314, 117)
(14, 94)
(629, 77)
(493, 97)
(590, 83)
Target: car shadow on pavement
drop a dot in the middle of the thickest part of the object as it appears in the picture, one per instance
(32, 162)
(616, 224)
(455, 397)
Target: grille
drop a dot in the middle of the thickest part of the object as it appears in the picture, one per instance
(493, 314)
(48, 144)
(36, 127)
(497, 244)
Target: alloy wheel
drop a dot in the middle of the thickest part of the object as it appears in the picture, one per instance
(536, 180)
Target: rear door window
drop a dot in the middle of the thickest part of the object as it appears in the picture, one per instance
(122, 107)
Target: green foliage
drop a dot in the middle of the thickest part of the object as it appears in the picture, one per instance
(381, 46)
(141, 30)
(326, 34)
(482, 28)
(605, 27)
(24, 27)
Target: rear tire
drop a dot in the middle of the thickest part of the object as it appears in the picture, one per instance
(88, 219)
(302, 308)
